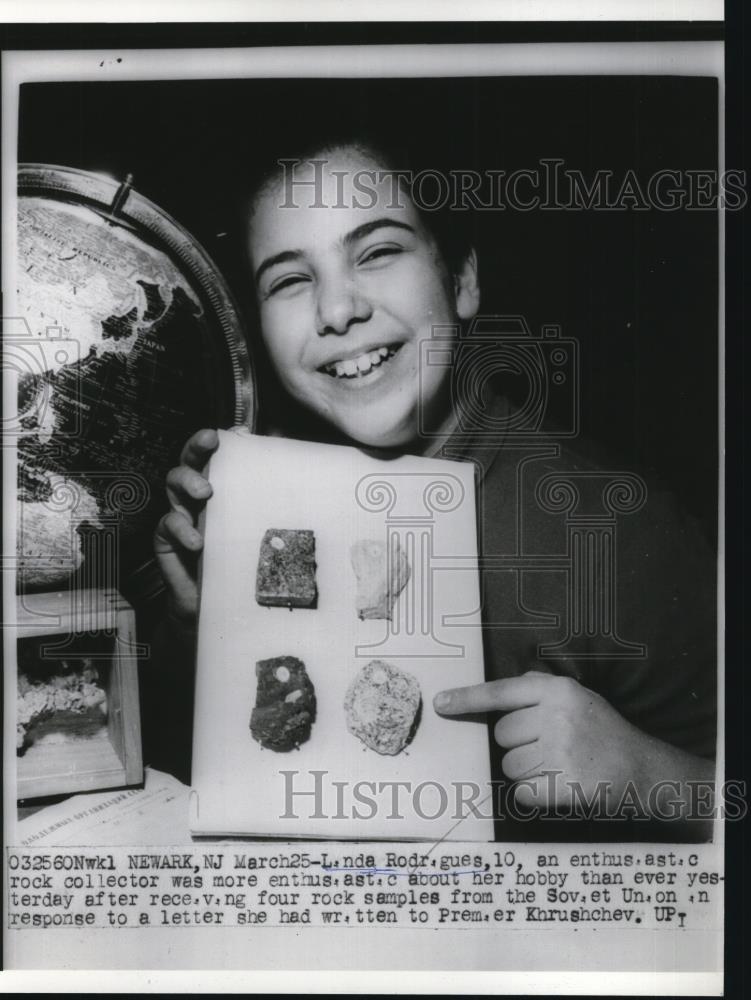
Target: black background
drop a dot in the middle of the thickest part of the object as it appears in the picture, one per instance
(637, 289)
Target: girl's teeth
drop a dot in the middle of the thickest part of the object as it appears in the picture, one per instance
(360, 366)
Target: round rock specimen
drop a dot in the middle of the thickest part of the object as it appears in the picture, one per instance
(381, 707)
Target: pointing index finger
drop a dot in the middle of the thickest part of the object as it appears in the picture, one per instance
(504, 695)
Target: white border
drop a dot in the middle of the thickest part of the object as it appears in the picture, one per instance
(358, 61)
(84, 11)
(437, 982)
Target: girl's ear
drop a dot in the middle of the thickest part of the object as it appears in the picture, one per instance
(467, 288)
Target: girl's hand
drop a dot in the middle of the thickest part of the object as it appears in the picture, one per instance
(177, 542)
(567, 747)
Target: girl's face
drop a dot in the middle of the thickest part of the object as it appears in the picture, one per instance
(348, 284)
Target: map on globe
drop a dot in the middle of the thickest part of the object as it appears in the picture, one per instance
(125, 341)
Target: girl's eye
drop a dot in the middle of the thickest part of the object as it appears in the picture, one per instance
(378, 253)
(289, 281)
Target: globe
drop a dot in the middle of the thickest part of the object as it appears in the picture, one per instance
(125, 339)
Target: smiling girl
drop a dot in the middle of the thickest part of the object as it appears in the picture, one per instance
(347, 285)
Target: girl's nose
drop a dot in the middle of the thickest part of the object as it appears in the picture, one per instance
(340, 304)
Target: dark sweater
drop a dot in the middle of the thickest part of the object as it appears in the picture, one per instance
(651, 651)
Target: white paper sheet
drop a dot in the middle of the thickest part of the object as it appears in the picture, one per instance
(154, 815)
(342, 495)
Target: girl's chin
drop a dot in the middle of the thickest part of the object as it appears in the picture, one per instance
(380, 441)
(376, 434)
